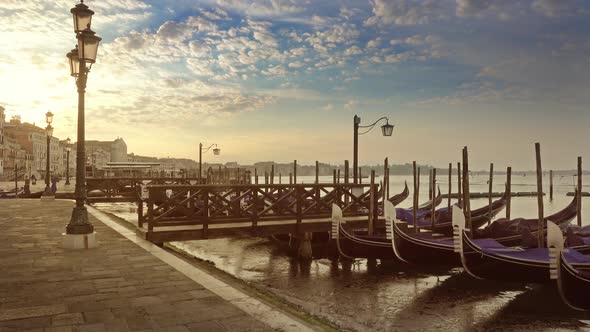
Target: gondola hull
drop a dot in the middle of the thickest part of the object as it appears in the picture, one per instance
(574, 285)
(352, 246)
(420, 249)
(485, 264)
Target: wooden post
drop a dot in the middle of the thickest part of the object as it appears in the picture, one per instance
(466, 198)
(551, 185)
(280, 178)
(579, 200)
(140, 212)
(290, 178)
(385, 184)
(255, 176)
(272, 174)
(450, 179)
(490, 192)
(508, 191)
(372, 205)
(295, 171)
(460, 185)
(346, 169)
(415, 193)
(430, 184)
(335, 177)
(317, 172)
(433, 209)
(360, 177)
(387, 177)
(265, 177)
(541, 225)
(338, 177)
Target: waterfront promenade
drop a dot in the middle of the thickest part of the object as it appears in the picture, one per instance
(125, 284)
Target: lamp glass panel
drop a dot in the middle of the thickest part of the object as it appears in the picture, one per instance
(49, 117)
(88, 46)
(387, 129)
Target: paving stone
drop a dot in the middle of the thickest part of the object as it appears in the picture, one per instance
(67, 319)
(100, 316)
(26, 312)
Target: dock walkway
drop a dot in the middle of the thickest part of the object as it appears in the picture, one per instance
(125, 284)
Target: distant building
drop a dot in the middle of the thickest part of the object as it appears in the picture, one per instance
(33, 140)
(99, 153)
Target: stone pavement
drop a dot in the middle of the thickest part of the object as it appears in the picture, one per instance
(119, 286)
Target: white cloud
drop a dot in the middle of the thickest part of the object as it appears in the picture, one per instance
(405, 12)
(327, 107)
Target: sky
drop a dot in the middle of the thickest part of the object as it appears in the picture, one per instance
(282, 79)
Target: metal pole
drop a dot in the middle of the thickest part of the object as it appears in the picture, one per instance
(67, 167)
(79, 222)
(355, 158)
(47, 191)
(200, 164)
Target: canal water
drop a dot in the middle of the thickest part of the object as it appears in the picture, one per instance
(378, 296)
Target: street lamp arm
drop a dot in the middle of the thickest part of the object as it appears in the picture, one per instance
(208, 148)
(371, 126)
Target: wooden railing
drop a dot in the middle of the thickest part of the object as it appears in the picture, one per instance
(129, 187)
(179, 207)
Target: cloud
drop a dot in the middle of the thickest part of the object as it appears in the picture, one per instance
(327, 107)
(405, 12)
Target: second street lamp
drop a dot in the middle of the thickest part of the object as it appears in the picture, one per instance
(48, 194)
(386, 130)
(68, 149)
(216, 152)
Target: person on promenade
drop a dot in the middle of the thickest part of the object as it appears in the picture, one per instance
(34, 178)
(54, 184)
(27, 188)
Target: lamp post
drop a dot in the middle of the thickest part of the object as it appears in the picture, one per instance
(49, 130)
(216, 152)
(68, 149)
(386, 129)
(81, 59)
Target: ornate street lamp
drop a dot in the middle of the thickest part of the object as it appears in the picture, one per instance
(216, 151)
(48, 194)
(81, 59)
(386, 129)
(68, 149)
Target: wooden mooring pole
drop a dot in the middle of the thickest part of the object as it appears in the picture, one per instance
(460, 185)
(579, 199)
(317, 172)
(415, 193)
(508, 191)
(372, 206)
(360, 177)
(541, 225)
(255, 176)
(491, 182)
(295, 171)
(466, 199)
(551, 185)
(346, 170)
(385, 187)
(430, 184)
(272, 174)
(450, 179)
(433, 208)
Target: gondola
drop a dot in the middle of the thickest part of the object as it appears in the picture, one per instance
(360, 244)
(493, 259)
(479, 217)
(11, 193)
(571, 270)
(351, 246)
(422, 211)
(430, 248)
(397, 199)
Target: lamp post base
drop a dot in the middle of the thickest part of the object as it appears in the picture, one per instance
(79, 241)
(67, 182)
(79, 224)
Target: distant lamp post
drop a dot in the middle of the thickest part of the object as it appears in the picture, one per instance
(80, 232)
(48, 194)
(68, 149)
(216, 151)
(386, 129)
